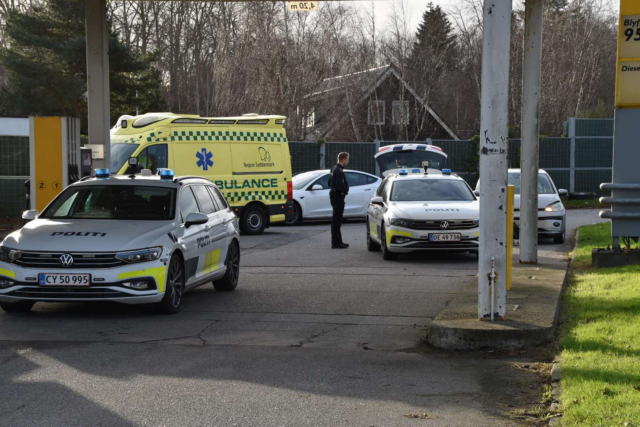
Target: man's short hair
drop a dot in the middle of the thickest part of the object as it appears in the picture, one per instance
(343, 156)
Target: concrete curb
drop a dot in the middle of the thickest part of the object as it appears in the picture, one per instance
(533, 308)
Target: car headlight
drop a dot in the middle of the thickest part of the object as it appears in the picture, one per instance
(554, 207)
(9, 255)
(401, 222)
(141, 255)
(476, 222)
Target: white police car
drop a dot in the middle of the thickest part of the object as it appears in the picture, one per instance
(131, 239)
(417, 210)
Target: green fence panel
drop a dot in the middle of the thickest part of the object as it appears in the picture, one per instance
(555, 153)
(588, 181)
(13, 197)
(360, 155)
(562, 179)
(305, 156)
(594, 127)
(14, 156)
(594, 152)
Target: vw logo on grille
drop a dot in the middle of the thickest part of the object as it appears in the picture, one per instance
(66, 260)
(444, 225)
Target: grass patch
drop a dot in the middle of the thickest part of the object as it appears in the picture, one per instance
(600, 339)
(583, 204)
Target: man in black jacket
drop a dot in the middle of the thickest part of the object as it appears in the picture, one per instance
(339, 190)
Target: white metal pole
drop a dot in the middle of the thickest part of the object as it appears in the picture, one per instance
(494, 146)
(98, 75)
(529, 152)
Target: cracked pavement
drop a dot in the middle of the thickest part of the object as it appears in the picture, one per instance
(311, 337)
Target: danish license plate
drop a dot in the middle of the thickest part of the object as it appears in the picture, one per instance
(58, 279)
(444, 237)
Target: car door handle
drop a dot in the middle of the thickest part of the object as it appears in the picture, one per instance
(367, 189)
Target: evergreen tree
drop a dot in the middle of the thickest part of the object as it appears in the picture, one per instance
(435, 45)
(46, 66)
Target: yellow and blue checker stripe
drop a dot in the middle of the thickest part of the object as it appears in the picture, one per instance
(228, 135)
(248, 196)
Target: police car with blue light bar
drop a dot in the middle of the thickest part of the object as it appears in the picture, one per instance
(423, 209)
(132, 239)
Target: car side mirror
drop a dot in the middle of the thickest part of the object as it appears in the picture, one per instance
(30, 215)
(562, 192)
(476, 192)
(377, 200)
(196, 218)
(316, 187)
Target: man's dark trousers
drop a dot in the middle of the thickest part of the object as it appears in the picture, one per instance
(337, 202)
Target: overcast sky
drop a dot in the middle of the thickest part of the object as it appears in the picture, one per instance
(383, 8)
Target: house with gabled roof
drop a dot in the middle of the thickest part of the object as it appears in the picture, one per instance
(375, 104)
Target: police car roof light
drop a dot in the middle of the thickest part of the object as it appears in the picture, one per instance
(415, 170)
(403, 172)
(166, 174)
(446, 171)
(102, 173)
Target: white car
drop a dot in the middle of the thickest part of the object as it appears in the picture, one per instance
(392, 158)
(130, 239)
(418, 211)
(311, 195)
(552, 216)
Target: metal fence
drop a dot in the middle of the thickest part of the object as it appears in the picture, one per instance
(14, 171)
(578, 162)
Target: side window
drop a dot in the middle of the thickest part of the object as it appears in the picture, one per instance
(387, 191)
(204, 199)
(187, 203)
(371, 179)
(380, 191)
(152, 158)
(219, 199)
(355, 179)
(324, 181)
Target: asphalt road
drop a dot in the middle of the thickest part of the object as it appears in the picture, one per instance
(312, 336)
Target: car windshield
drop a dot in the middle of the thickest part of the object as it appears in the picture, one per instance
(120, 154)
(410, 159)
(544, 183)
(301, 181)
(431, 190)
(132, 202)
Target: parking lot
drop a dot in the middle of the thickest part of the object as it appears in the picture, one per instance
(308, 329)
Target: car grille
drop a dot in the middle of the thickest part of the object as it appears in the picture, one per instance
(52, 294)
(51, 260)
(459, 224)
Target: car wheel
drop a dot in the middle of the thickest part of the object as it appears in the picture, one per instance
(559, 239)
(174, 287)
(296, 217)
(17, 307)
(230, 279)
(371, 245)
(386, 253)
(253, 220)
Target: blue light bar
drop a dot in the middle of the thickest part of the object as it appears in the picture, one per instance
(403, 172)
(415, 170)
(166, 174)
(446, 171)
(102, 173)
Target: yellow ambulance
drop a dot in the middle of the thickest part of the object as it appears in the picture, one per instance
(247, 157)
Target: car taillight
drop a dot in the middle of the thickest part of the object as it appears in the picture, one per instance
(289, 191)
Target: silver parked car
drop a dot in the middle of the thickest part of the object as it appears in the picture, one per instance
(552, 216)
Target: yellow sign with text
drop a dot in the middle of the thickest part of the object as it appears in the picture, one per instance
(304, 6)
(47, 139)
(628, 66)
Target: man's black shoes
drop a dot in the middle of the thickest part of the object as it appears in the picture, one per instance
(340, 246)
